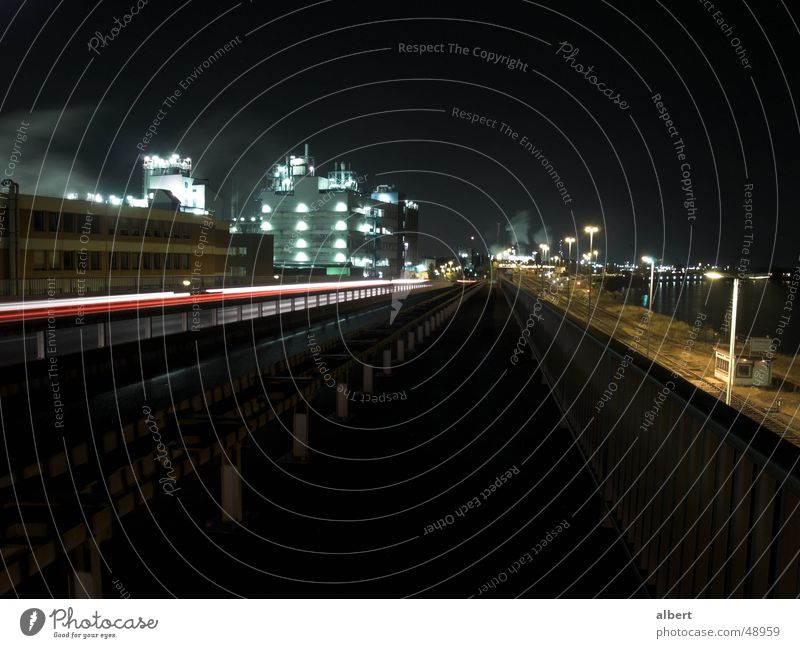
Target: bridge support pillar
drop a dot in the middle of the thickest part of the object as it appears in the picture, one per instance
(401, 351)
(366, 378)
(40, 345)
(411, 341)
(427, 328)
(300, 434)
(341, 400)
(231, 477)
(85, 581)
(147, 326)
(101, 335)
(387, 362)
(420, 333)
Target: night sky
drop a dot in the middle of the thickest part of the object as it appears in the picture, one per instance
(332, 73)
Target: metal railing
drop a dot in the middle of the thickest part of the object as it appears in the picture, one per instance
(147, 324)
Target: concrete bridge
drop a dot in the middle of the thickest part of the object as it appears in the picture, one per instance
(707, 500)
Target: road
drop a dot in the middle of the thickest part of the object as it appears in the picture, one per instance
(667, 345)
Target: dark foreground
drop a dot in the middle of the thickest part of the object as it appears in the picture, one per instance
(458, 482)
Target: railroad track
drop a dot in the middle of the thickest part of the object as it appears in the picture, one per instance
(69, 494)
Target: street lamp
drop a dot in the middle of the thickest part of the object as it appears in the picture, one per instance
(732, 344)
(569, 241)
(652, 262)
(544, 248)
(591, 230)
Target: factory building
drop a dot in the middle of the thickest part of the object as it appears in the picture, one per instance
(77, 246)
(167, 183)
(327, 224)
(406, 216)
(173, 175)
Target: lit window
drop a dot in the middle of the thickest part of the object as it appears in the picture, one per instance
(301, 256)
(340, 207)
(301, 226)
(340, 258)
(266, 209)
(266, 226)
(302, 207)
(340, 243)
(340, 225)
(302, 243)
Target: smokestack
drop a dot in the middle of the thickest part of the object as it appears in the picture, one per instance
(235, 194)
(306, 151)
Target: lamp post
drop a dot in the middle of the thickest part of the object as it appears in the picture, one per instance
(732, 343)
(545, 249)
(569, 241)
(652, 262)
(591, 230)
